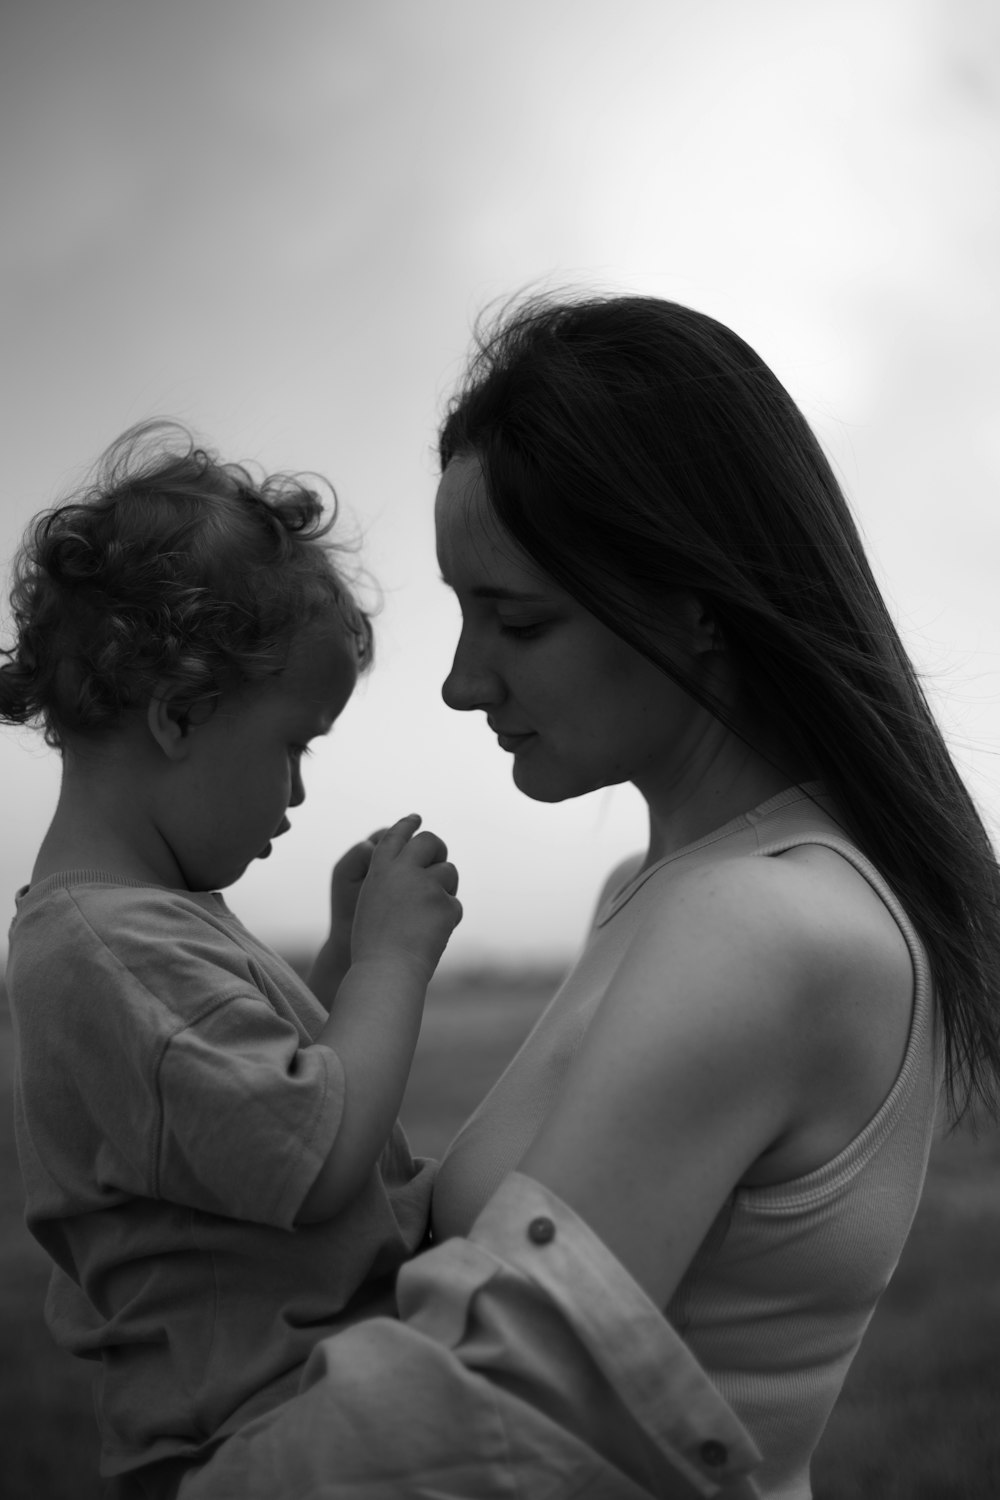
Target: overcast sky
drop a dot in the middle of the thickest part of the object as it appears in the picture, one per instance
(278, 221)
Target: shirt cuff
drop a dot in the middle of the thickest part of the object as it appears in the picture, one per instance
(527, 1234)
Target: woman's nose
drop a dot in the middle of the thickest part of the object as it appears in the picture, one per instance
(470, 683)
(298, 787)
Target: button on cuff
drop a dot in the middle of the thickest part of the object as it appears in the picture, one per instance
(713, 1454)
(541, 1231)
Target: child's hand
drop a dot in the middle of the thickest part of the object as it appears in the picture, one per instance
(405, 913)
(407, 908)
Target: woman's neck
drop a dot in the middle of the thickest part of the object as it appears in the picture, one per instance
(729, 779)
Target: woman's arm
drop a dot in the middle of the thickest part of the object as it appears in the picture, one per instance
(701, 1058)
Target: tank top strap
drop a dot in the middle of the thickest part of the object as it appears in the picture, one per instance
(920, 1047)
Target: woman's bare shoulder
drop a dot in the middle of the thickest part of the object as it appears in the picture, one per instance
(624, 871)
(790, 969)
(750, 933)
(808, 904)
(728, 1049)
(685, 1076)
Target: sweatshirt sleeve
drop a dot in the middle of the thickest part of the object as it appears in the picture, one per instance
(247, 1114)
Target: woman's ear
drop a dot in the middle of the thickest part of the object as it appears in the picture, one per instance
(698, 620)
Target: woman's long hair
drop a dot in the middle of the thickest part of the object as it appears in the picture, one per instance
(635, 448)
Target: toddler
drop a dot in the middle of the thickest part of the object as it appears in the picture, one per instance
(209, 1146)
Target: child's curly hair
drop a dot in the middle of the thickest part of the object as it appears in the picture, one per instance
(170, 564)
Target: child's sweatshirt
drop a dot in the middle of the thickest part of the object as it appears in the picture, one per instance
(171, 1116)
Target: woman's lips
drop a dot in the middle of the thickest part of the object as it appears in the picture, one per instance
(513, 741)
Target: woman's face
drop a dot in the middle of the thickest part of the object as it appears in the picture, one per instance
(574, 705)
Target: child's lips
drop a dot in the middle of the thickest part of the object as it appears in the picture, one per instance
(283, 827)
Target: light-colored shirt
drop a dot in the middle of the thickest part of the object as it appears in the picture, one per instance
(171, 1115)
(526, 1362)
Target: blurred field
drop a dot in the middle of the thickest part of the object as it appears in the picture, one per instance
(919, 1418)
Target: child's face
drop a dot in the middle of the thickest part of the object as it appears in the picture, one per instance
(242, 771)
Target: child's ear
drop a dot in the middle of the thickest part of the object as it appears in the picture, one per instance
(167, 723)
(170, 719)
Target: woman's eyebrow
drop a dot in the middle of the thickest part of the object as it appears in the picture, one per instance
(489, 591)
(493, 591)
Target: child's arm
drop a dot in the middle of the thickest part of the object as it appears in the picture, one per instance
(334, 958)
(405, 915)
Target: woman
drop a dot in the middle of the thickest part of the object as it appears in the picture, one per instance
(734, 1092)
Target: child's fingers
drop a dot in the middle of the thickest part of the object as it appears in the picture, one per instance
(427, 849)
(352, 867)
(446, 875)
(395, 838)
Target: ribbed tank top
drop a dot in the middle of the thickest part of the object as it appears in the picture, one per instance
(779, 1294)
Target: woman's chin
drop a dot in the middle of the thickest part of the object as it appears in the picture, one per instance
(533, 782)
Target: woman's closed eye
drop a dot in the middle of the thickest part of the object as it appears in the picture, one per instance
(523, 630)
